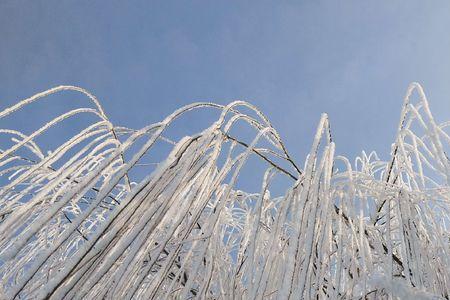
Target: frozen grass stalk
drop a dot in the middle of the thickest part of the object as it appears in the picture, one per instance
(101, 216)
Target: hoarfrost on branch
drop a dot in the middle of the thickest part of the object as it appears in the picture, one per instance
(74, 224)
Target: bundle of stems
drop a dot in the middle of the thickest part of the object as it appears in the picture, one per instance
(78, 222)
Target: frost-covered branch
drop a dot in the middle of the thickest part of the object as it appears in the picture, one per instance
(92, 219)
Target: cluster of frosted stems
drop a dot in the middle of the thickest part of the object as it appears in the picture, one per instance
(75, 224)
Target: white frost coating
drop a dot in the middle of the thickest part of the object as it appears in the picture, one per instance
(74, 224)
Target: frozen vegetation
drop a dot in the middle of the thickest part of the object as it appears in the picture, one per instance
(75, 224)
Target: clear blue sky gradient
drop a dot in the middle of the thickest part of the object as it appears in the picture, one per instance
(293, 59)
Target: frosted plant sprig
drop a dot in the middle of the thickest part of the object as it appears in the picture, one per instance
(93, 219)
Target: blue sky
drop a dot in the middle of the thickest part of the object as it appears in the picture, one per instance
(292, 59)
